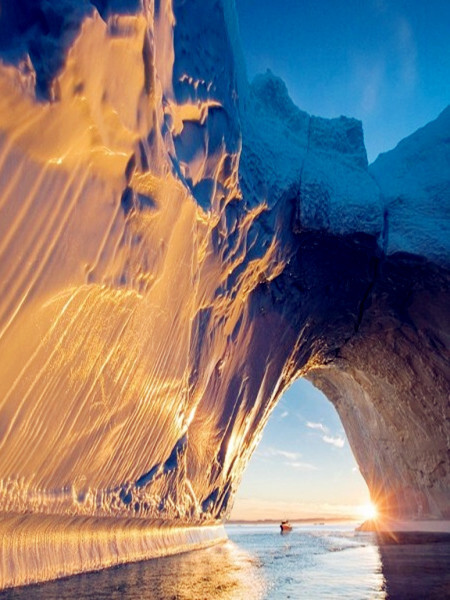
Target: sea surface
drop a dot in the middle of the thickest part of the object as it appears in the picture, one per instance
(258, 563)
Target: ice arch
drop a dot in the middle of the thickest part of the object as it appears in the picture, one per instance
(176, 246)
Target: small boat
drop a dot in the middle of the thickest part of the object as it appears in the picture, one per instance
(285, 526)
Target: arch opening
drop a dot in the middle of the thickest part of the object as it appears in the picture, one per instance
(303, 467)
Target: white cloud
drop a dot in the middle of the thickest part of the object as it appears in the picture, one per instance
(284, 414)
(301, 466)
(407, 55)
(373, 78)
(271, 452)
(288, 455)
(337, 441)
(317, 426)
(371, 73)
(290, 459)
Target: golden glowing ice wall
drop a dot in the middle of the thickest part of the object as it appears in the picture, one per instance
(118, 322)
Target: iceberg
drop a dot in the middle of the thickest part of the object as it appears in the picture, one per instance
(177, 246)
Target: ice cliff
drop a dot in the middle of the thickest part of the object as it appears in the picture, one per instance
(177, 246)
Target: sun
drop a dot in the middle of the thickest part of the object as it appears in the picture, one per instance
(368, 512)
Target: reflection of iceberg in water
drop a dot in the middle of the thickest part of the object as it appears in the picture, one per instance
(177, 246)
(224, 572)
(416, 565)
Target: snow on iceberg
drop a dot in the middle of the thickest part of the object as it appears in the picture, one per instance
(414, 180)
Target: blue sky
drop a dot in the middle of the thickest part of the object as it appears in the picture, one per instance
(386, 62)
(303, 466)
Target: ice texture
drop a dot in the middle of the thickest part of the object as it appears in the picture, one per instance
(176, 247)
(38, 547)
(415, 183)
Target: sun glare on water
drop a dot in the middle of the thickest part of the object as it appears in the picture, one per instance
(368, 511)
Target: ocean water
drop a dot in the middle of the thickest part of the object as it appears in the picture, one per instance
(258, 563)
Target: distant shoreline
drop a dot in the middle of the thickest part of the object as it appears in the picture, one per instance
(314, 520)
(379, 526)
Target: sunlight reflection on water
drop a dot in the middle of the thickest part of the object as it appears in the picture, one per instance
(223, 572)
(312, 562)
